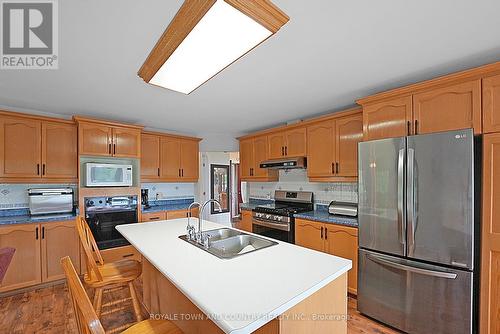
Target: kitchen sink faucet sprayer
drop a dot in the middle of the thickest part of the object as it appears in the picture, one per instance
(190, 228)
(199, 235)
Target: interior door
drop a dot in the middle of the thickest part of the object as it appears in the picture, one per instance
(59, 150)
(381, 210)
(415, 297)
(441, 198)
(321, 149)
(20, 142)
(170, 158)
(150, 156)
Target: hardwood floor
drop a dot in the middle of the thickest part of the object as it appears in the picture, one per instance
(48, 311)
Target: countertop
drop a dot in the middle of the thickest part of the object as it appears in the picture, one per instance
(261, 284)
(324, 217)
(27, 219)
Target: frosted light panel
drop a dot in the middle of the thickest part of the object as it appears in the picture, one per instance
(223, 35)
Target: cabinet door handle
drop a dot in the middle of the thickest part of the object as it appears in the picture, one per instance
(158, 171)
(37, 169)
(179, 172)
(286, 150)
(43, 169)
(182, 172)
(326, 233)
(336, 168)
(282, 150)
(321, 232)
(128, 255)
(109, 148)
(43, 232)
(416, 126)
(154, 218)
(408, 130)
(114, 148)
(333, 168)
(36, 233)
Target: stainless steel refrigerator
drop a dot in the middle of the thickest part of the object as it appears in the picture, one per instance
(417, 232)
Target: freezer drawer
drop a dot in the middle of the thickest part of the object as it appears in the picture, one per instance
(414, 297)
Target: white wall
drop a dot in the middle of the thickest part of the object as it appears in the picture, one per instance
(219, 142)
(203, 191)
(296, 180)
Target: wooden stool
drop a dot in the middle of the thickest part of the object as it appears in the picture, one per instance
(87, 320)
(105, 277)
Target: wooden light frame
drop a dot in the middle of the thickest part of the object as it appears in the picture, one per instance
(189, 15)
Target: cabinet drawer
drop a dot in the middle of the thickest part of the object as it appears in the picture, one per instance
(175, 214)
(120, 253)
(153, 216)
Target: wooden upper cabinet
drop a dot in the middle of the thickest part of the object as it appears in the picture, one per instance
(59, 239)
(321, 149)
(25, 267)
(20, 145)
(296, 140)
(170, 158)
(150, 156)
(59, 150)
(189, 160)
(95, 139)
(126, 142)
(490, 238)
(276, 142)
(342, 241)
(309, 234)
(348, 133)
(259, 155)
(246, 158)
(491, 104)
(388, 119)
(448, 108)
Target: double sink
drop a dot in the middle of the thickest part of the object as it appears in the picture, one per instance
(226, 243)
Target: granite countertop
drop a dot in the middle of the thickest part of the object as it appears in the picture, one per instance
(324, 217)
(168, 205)
(24, 218)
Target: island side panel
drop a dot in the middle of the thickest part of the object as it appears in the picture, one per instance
(162, 298)
(324, 312)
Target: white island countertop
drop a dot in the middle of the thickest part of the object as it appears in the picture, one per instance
(259, 285)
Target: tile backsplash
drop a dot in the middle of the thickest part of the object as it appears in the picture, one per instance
(16, 195)
(296, 180)
(169, 190)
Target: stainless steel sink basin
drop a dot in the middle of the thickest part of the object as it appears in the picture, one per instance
(226, 243)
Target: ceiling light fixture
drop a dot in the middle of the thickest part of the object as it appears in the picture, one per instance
(205, 37)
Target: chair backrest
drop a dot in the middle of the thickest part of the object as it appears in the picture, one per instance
(86, 318)
(89, 245)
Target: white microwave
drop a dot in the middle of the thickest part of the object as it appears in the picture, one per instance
(108, 175)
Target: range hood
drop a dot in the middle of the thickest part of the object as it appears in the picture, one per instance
(289, 163)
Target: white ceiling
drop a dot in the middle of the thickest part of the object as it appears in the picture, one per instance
(328, 55)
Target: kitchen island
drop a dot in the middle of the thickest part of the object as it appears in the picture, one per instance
(280, 289)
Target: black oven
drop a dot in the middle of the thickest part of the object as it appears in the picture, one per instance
(279, 231)
(103, 214)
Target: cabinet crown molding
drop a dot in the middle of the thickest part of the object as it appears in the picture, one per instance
(82, 119)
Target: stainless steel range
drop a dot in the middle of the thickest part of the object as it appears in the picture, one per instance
(277, 220)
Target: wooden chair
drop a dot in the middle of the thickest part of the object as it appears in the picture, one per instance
(87, 320)
(105, 277)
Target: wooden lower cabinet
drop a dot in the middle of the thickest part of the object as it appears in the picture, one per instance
(153, 216)
(246, 221)
(176, 214)
(341, 241)
(39, 248)
(490, 239)
(58, 239)
(25, 268)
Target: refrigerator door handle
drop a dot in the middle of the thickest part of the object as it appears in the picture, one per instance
(410, 201)
(401, 224)
(421, 271)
